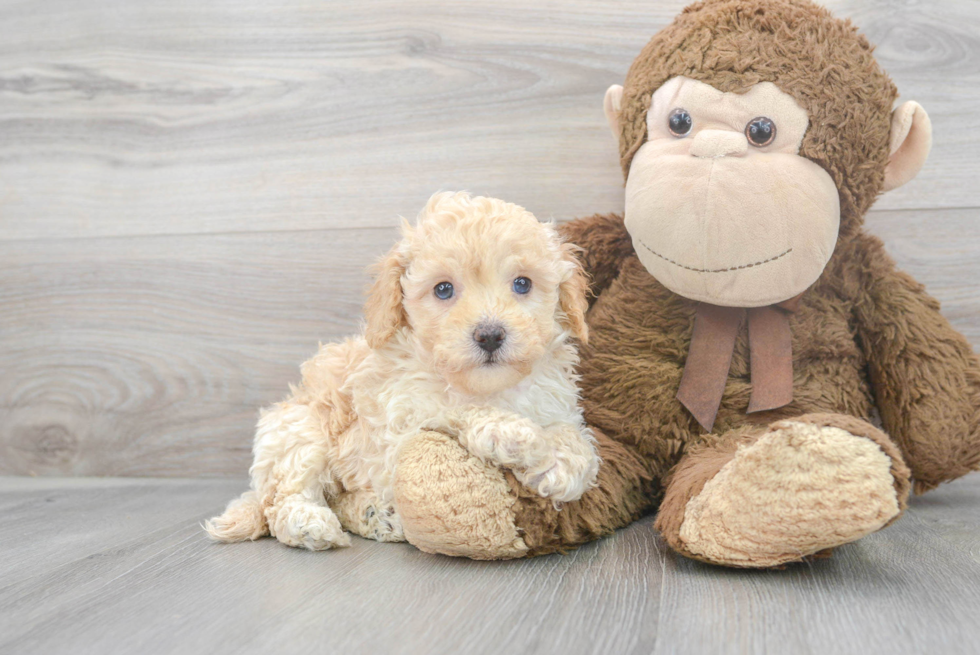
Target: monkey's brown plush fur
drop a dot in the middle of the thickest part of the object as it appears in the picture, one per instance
(867, 338)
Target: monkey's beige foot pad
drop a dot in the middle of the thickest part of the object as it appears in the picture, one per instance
(801, 488)
(452, 503)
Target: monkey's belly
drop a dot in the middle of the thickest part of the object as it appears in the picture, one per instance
(639, 338)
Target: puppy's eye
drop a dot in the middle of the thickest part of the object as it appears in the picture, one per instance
(760, 131)
(680, 122)
(522, 285)
(443, 290)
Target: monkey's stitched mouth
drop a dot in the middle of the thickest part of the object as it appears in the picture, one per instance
(716, 270)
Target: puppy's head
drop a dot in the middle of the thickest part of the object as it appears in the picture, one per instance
(485, 289)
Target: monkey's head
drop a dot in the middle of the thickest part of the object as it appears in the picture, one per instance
(753, 134)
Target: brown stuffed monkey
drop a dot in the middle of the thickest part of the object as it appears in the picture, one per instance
(745, 330)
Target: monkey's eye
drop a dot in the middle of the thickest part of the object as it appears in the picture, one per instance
(522, 285)
(443, 290)
(680, 122)
(760, 131)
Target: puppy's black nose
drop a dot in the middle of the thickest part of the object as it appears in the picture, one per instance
(489, 337)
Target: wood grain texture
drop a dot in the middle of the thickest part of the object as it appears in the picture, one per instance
(152, 355)
(123, 118)
(122, 566)
(190, 191)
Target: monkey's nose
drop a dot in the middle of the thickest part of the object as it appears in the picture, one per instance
(489, 337)
(719, 143)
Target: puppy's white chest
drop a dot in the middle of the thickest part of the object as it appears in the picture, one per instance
(543, 399)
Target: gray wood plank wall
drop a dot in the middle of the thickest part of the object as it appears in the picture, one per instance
(190, 191)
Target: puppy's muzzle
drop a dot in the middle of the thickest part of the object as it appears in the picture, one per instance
(489, 337)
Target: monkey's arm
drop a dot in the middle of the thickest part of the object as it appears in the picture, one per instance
(925, 375)
(605, 243)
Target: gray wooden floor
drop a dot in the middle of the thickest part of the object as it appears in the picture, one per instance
(122, 566)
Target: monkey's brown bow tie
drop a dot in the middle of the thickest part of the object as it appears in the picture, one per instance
(710, 357)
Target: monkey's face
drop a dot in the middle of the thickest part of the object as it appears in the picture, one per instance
(720, 204)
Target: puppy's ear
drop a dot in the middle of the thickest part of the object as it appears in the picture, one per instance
(571, 293)
(384, 311)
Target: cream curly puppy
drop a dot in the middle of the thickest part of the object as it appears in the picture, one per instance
(469, 327)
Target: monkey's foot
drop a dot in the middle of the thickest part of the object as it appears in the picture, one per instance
(805, 486)
(452, 503)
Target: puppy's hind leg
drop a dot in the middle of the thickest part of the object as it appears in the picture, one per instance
(305, 522)
(291, 472)
(364, 513)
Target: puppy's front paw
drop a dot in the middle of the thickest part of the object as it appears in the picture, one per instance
(310, 526)
(569, 470)
(516, 442)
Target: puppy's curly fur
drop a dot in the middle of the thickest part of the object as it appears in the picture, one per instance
(325, 457)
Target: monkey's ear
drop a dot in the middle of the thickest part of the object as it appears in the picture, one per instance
(611, 105)
(384, 312)
(911, 139)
